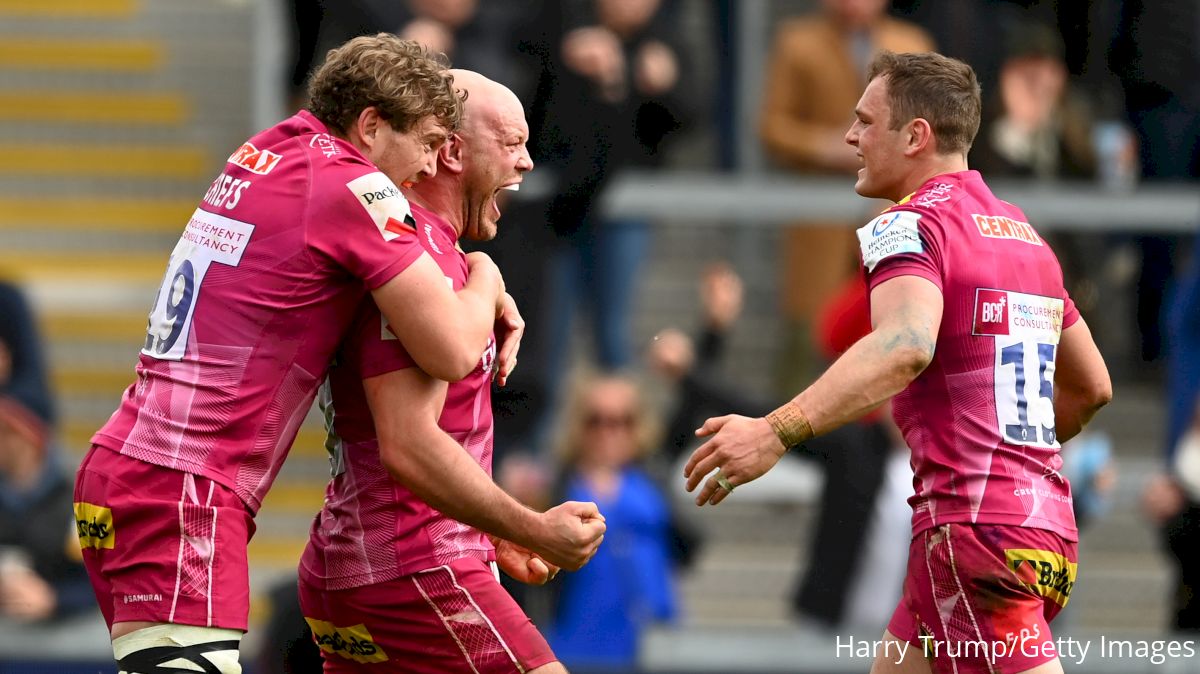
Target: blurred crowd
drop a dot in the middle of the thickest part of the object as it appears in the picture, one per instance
(1102, 91)
(41, 572)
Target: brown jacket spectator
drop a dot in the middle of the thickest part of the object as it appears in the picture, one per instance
(817, 71)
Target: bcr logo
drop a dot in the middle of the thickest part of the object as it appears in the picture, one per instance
(993, 312)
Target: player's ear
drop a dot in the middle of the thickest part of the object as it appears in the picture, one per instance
(920, 136)
(451, 153)
(366, 126)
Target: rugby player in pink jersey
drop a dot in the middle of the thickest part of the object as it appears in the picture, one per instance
(304, 222)
(399, 572)
(990, 367)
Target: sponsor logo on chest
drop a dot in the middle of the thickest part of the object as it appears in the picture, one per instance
(1000, 227)
(1005, 312)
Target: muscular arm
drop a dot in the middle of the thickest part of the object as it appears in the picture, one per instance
(905, 314)
(1081, 382)
(406, 405)
(444, 331)
(417, 453)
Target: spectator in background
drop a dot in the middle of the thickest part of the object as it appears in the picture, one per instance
(474, 35)
(693, 366)
(602, 609)
(816, 72)
(612, 87)
(41, 575)
(1034, 126)
(22, 367)
(1172, 499)
(1157, 58)
(287, 643)
(864, 465)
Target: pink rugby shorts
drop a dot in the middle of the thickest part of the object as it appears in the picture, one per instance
(980, 598)
(161, 545)
(452, 618)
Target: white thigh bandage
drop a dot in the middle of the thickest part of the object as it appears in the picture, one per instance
(170, 648)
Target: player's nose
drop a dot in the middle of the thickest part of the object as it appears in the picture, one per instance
(524, 162)
(429, 168)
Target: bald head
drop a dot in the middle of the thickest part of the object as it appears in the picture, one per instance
(485, 155)
(485, 98)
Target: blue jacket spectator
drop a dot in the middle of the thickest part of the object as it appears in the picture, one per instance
(629, 584)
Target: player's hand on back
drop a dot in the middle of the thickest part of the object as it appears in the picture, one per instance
(742, 448)
(510, 328)
(572, 533)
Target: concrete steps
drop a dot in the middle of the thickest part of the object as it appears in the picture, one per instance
(111, 131)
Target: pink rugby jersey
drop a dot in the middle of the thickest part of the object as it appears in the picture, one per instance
(372, 529)
(980, 418)
(258, 293)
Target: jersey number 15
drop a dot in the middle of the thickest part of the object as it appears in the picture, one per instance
(1025, 392)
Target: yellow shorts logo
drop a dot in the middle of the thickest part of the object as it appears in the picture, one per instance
(354, 643)
(1047, 573)
(95, 526)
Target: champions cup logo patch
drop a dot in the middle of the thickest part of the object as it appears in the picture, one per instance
(254, 160)
(1047, 573)
(890, 234)
(1000, 227)
(353, 643)
(94, 524)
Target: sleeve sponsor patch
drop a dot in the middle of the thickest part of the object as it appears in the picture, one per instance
(890, 234)
(382, 200)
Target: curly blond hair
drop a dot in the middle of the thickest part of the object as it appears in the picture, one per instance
(402, 79)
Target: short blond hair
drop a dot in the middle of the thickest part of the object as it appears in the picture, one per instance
(400, 78)
(941, 90)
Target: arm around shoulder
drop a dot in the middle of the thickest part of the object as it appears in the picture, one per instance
(1081, 382)
(446, 332)
(906, 314)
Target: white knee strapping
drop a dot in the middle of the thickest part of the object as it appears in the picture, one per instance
(178, 646)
